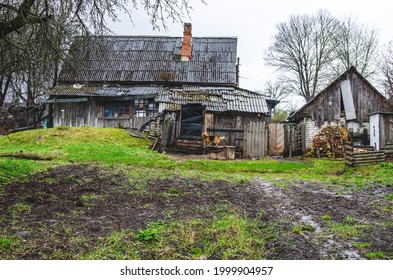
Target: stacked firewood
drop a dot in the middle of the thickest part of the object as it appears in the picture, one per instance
(329, 142)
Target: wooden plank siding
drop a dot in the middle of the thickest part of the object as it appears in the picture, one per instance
(255, 139)
(76, 114)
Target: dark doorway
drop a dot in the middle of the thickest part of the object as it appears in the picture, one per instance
(192, 120)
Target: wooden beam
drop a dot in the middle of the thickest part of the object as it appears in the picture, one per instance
(225, 129)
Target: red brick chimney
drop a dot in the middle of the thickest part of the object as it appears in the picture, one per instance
(186, 44)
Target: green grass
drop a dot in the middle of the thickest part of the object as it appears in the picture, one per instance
(12, 169)
(19, 208)
(349, 228)
(114, 147)
(5, 243)
(228, 236)
(362, 245)
(80, 145)
(90, 199)
(375, 255)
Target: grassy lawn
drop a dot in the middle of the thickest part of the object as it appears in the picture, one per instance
(114, 147)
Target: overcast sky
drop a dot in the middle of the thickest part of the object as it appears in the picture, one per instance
(253, 22)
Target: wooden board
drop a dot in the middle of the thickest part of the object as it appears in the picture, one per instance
(255, 139)
(349, 106)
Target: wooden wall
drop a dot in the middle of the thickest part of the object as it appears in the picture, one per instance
(231, 126)
(89, 113)
(74, 114)
(255, 139)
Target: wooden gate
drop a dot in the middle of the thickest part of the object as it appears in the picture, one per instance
(255, 139)
(276, 139)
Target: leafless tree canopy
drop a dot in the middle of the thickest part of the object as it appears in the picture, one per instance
(310, 50)
(277, 90)
(355, 45)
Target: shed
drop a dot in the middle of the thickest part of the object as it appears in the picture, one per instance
(349, 101)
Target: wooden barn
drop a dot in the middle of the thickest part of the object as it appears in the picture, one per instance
(350, 101)
(175, 87)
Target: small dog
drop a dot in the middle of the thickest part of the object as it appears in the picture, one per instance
(212, 141)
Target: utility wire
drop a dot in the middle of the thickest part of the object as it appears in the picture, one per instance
(251, 79)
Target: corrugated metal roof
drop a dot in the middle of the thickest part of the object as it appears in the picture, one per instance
(105, 91)
(152, 59)
(216, 99)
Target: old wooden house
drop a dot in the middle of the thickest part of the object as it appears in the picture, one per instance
(350, 101)
(174, 87)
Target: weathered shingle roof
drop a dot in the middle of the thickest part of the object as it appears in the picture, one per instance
(150, 59)
(216, 99)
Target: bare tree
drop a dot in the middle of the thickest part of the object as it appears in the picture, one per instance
(33, 56)
(386, 68)
(277, 90)
(35, 36)
(310, 51)
(355, 45)
(302, 49)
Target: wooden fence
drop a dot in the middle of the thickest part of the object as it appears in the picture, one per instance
(353, 155)
(388, 151)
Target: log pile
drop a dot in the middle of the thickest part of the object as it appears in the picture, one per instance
(329, 142)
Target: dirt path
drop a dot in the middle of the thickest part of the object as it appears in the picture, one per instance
(325, 224)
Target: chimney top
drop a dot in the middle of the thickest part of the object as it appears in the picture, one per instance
(187, 28)
(186, 45)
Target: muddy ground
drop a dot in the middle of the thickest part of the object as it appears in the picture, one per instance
(310, 220)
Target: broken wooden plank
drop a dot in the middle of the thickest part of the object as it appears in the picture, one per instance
(349, 106)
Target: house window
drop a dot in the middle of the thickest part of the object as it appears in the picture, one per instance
(145, 107)
(116, 110)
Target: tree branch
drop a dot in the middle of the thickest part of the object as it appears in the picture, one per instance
(24, 17)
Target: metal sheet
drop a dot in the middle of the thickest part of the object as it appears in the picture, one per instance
(276, 139)
(349, 107)
(220, 99)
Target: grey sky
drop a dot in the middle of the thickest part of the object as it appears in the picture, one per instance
(254, 23)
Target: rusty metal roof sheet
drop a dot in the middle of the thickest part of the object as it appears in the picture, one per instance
(216, 99)
(141, 59)
(104, 91)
